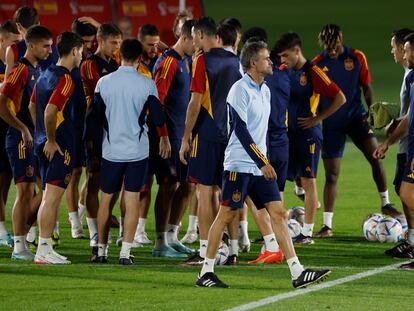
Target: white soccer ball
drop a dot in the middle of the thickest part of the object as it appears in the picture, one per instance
(389, 230)
(222, 254)
(369, 228)
(404, 225)
(297, 213)
(294, 228)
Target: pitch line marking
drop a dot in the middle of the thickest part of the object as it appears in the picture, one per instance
(300, 292)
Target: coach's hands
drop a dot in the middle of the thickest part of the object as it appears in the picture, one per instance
(379, 153)
(307, 123)
(50, 149)
(165, 147)
(27, 138)
(184, 149)
(269, 172)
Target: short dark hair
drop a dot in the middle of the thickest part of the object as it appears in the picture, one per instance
(66, 41)
(206, 25)
(148, 30)
(8, 27)
(400, 34)
(410, 39)
(254, 32)
(26, 16)
(329, 35)
(36, 33)
(228, 34)
(249, 53)
(131, 49)
(233, 22)
(287, 41)
(186, 28)
(83, 29)
(108, 29)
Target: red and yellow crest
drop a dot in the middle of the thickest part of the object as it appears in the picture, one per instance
(303, 80)
(349, 64)
(236, 197)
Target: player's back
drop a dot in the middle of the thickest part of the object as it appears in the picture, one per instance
(125, 95)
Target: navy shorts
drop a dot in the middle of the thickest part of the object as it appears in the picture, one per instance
(237, 186)
(279, 159)
(171, 170)
(334, 139)
(4, 158)
(93, 152)
(399, 171)
(23, 163)
(78, 149)
(408, 175)
(154, 150)
(58, 171)
(132, 174)
(304, 154)
(205, 164)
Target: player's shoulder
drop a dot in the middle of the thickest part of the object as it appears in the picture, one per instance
(317, 59)
(358, 54)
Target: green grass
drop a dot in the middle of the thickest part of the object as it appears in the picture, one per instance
(161, 284)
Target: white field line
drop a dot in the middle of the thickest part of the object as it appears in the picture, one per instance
(300, 292)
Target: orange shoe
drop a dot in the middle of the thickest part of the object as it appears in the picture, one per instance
(268, 258)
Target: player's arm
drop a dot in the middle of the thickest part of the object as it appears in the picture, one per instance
(14, 85)
(198, 88)
(10, 60)
(400, 131)
(324, 86)
(365, 79)
(57, 101)
(32, 106)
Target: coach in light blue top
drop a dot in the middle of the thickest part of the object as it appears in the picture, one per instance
(249, 103)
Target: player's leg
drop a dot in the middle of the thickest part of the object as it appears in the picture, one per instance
(191, 235)
(92, 201)
(5, 180)
(82, 199)
(243, 238)
(407, 196)
(72, 199)
(311, 205)
(145, 203)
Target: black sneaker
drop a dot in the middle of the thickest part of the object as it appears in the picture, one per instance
(100, 259)
(390, 210)
(309, 277)
(302, 239)
(325, 232)
(127, 261)
(232, 260)
(407, 266)
(210, 280)
(195, 260)
(402, 250)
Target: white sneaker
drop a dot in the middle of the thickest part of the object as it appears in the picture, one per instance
(94, 240)
(142, 238)
(77, 233)
(51, 258)
(190, 237)
(244, 244)
(136, 244)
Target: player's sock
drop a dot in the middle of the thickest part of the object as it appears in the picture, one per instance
(299, 190)
(31, 234)
(203, 248)
(3, 228)
(327, 219)
(141, 224)
(192, 223)
(172, 231)
(56, 229)
(161, 240)
(234, 248)
(92, 226)
(75, 220)
(125, 250)
(45, 246)
(243, 226)
(384, 198)
(295, 267)
(410, 237)
(271, 242)
(307, 229)
(19, 243)
(208, 266)
(102, 250)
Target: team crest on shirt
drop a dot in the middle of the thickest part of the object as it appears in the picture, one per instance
(349, 64)
(33, 78)
(303, 80)
(308, 169)
(29, 171)
(236, 197)
(67, 179)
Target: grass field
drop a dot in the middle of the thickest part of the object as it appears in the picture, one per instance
(162, 284)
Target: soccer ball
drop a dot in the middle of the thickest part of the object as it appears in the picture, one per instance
(222, 254)
(389, 230)
(297, 213)
(369, 226)
(294, 228)
(404, 225)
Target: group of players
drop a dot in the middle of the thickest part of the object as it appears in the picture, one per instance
(221, 132)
